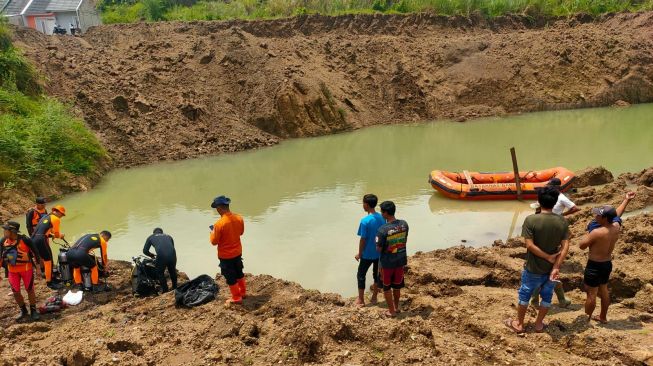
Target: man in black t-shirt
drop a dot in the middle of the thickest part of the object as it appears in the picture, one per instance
(391, 243)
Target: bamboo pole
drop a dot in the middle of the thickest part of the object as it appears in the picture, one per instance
(516, 170)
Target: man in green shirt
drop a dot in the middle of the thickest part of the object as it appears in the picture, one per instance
(547, 243)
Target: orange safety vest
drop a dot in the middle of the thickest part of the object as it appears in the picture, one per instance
(16, 255)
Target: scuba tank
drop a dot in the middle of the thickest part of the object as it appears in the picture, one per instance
(64, 267)
(86, 279)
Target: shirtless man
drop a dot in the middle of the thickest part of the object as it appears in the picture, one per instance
(601, 242)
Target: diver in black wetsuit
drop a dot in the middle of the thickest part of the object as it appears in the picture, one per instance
(166, 257)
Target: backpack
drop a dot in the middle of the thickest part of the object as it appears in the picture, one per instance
(10, 253)
(144, 281)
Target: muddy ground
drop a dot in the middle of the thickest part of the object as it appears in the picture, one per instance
(453, 309)
(173, 90)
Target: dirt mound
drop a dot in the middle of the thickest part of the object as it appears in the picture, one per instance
(154, 91)
(592, 176)
(644, 178)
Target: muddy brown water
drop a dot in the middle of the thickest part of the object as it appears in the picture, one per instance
(301, 199)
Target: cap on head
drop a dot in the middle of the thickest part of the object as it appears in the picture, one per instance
(40, 200)
(220, 201)
(606, 211)
(158, 230)
(60, 209)
(12, 226)
(554, 182)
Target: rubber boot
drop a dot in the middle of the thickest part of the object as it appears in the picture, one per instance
(242, 286)
(235, 295)
(33, 313)
(535, 298)
(560, 293)
(54, 285)
(23, 313)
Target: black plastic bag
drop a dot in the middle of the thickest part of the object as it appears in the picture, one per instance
(196, 292)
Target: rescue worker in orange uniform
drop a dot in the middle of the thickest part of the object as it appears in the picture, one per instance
(79, 256)
(34, 215)
(48, 227)
(225, 233)
(16, 255)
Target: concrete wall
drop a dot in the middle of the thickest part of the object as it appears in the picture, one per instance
(88, 15)
(16, 20)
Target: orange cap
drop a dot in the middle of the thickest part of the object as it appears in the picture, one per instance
(60, 208)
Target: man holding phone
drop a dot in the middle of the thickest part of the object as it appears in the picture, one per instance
(225, 233)
(547, 243)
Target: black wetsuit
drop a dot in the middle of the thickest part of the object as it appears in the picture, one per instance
(40, 237)
(78, 255)
(166, 257)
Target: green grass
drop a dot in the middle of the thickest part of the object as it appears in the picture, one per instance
(39, 138)
(154, 10)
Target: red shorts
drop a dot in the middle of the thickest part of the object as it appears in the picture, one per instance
(393, 277)
(27, 277)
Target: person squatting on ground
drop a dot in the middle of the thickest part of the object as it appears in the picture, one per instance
(16, 254)
(166, 257)
(391, 241)
(564, 206)
(48, 227)
(367, 254)
(79, 256)
(601, 241)
(225, 233)
(561, 205)
(547, 243)
(34, 215)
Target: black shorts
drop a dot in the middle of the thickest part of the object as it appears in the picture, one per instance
(232, 269)
(597, 273)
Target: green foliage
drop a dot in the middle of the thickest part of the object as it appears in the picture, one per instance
(38, 136)
(15, 72)
(154, 10)
(44, 140)
(378, 5)
(125, 11)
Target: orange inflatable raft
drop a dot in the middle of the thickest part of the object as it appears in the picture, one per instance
(496, 186)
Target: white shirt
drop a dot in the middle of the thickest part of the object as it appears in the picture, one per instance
(563, 204)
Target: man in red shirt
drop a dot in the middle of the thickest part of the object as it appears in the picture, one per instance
(225, 233)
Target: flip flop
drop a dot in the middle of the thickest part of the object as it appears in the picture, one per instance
(598, 319)
(508, 323)
(388, 315)
(543, 330)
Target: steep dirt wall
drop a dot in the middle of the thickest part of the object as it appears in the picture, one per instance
(178, 90)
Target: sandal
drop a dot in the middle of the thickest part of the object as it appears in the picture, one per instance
(508, 323)
(543, 330)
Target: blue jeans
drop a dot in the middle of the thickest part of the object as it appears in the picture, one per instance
(530, 282)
